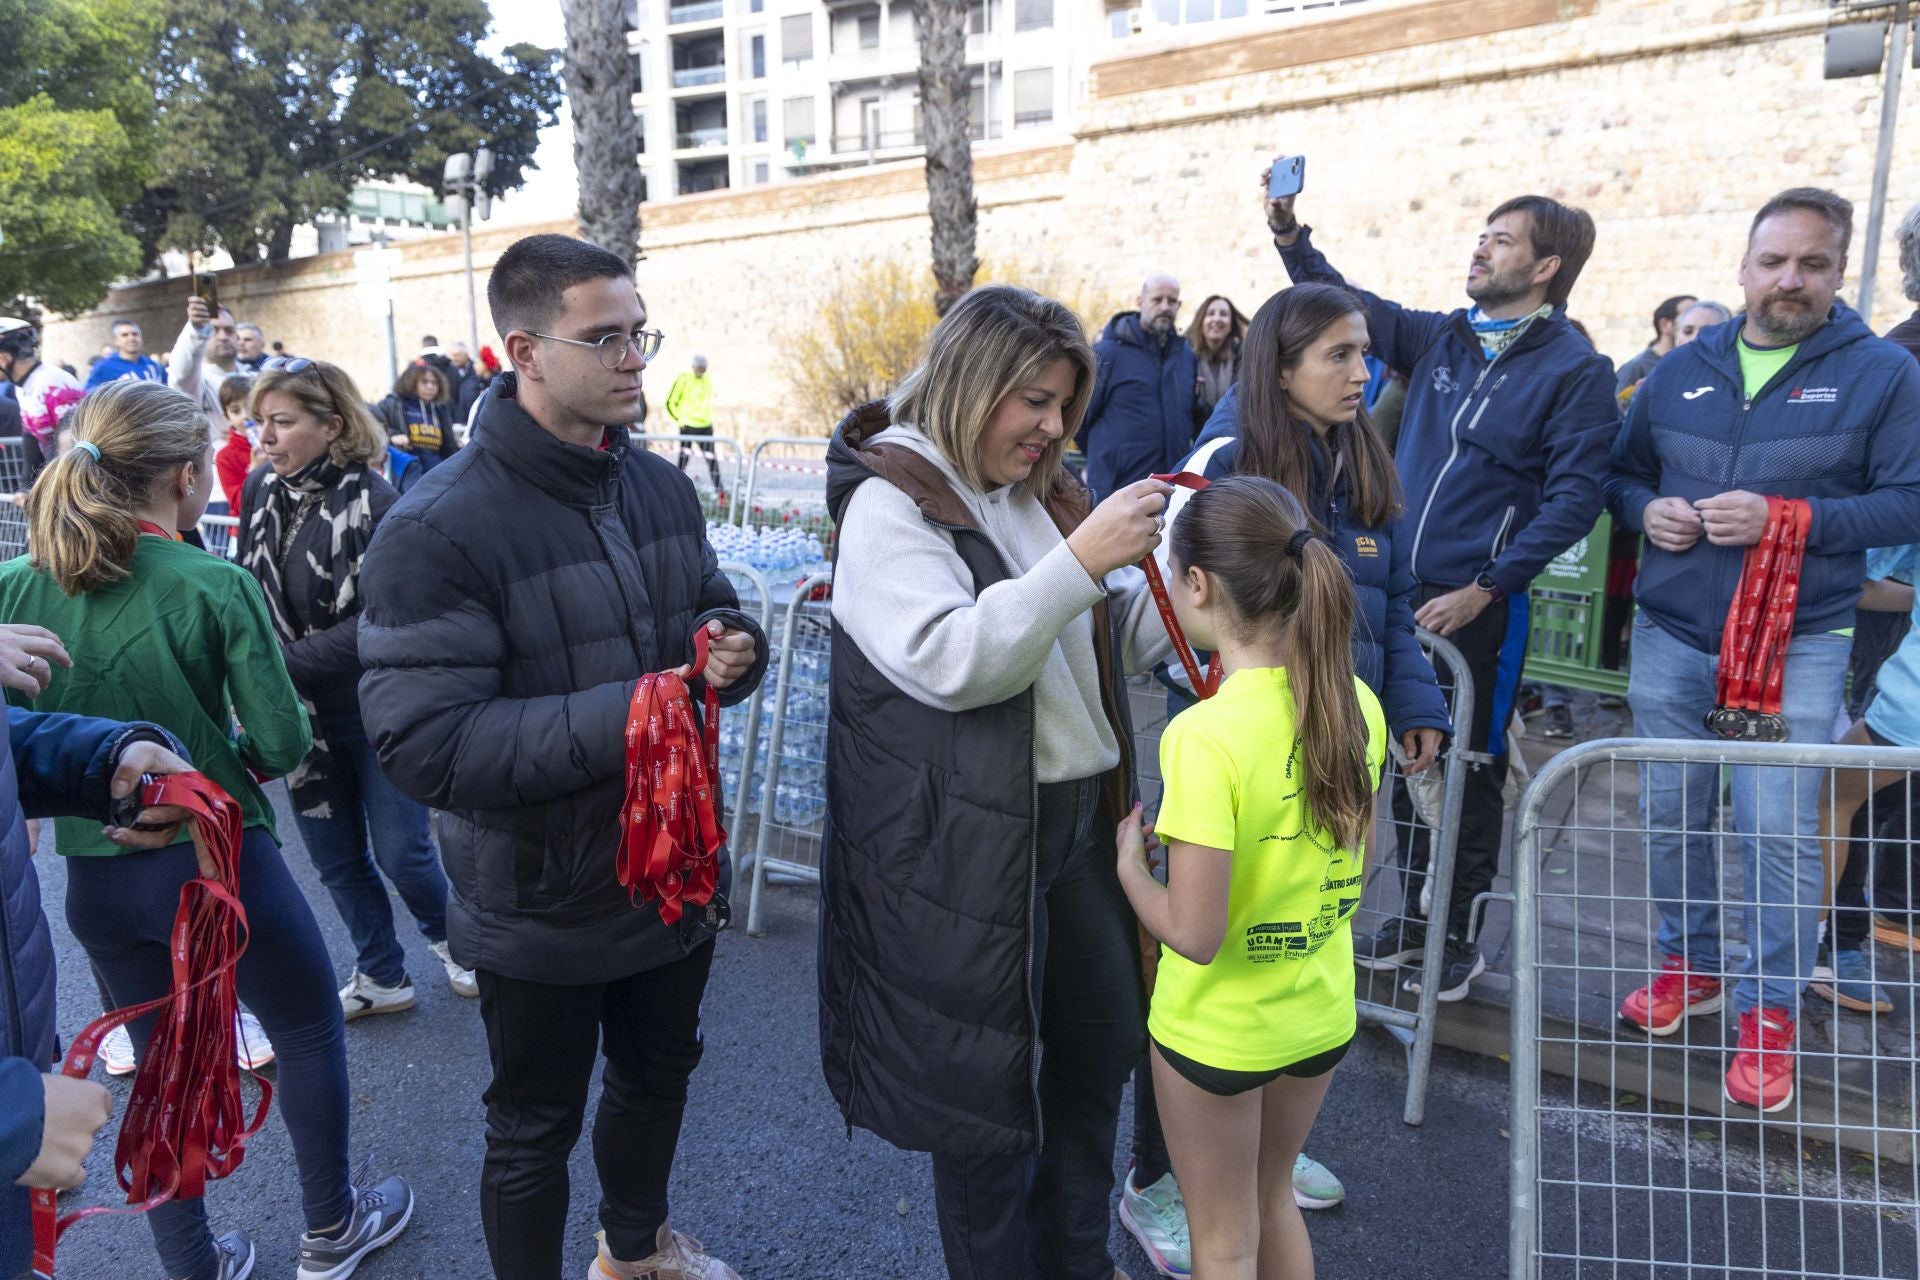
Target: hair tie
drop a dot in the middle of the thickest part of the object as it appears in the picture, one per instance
(1297, 544)
(90, 447)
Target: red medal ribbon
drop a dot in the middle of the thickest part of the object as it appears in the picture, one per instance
(1753, 647)
(1203, 686)
(670, 833)
(186, 1121)
(148, 526)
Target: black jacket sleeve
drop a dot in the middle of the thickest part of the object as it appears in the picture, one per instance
(719, 603)
(66, 762)
(434, 644)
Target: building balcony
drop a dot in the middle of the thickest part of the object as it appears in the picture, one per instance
(701, 139)
(695, 77)
(679, 15)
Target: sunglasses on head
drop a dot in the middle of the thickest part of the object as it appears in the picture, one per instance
(288, 364)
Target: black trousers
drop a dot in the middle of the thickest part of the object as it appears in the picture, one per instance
(1879, 853)
(1045, 1215)
(1494, 646)
(705, 446)
(543, 1040)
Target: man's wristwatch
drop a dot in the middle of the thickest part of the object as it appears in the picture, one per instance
(1486, 583)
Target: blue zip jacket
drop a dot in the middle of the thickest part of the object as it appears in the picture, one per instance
(1501, 460)
(1839, 425)
(1386, 653)
(1140, 421)
(52, 766)
(115, 369)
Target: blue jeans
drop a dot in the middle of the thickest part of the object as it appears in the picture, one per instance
(361, 802)
(121, 910)
(1776, 812)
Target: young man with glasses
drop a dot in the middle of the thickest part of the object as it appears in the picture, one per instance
(513, 598)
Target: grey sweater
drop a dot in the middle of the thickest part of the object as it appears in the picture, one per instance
(906, 598)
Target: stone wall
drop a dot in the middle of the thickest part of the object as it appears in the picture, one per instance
(1669, 122)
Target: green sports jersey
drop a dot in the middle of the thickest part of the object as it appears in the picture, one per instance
(1759, 364)
(183, 641)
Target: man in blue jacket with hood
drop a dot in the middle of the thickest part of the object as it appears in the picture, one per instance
(1502, 446)
(1796, 399)
(1140, 422)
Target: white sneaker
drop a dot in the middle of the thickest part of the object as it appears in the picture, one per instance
(462, 979)
(251, 1048)
(363, 996)
(116, 1052)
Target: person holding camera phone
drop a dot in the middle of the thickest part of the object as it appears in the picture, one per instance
(1503, 443)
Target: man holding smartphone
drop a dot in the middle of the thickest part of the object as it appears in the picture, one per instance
(1503, 442)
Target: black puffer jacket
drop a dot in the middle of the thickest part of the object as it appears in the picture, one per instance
(513, 597)
(324, 664)
(927, 863)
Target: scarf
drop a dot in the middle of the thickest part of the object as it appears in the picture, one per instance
(1497, 335)
(341, 500)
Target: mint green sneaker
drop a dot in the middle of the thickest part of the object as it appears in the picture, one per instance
(1157, 1218)
(1314, 1186)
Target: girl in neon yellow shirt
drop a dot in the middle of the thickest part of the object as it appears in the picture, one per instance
(1269, 796)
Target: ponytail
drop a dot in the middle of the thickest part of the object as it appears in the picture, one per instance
(128, 437)
(1255, 540)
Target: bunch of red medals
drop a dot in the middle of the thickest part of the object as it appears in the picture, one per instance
(1204, 686)
(1753, 648)
(670, 833)
(186, 1121)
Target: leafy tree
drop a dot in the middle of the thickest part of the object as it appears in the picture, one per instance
(270, 113)
(606, 135)
(76, 128)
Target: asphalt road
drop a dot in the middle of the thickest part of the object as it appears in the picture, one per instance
(767, 1175)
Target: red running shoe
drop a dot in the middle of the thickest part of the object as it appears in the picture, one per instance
(1670, 999)
(1762, 1071)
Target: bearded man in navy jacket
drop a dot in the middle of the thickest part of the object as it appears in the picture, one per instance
(1502, 447)
(1795, 398)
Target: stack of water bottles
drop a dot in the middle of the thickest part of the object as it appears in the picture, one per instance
(800, 796)
(775, 549)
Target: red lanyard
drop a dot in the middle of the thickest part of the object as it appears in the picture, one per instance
(148, 526)
(670, 829)
(1203, 686)
(1753, 647)
(185, 1121)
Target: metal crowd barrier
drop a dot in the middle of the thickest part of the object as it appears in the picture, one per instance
(13, 480)
(787, 483)
(740, 754)
(1383, 996)
(1629, 1159)
(793, 794)
(220, 535)
(723, 507)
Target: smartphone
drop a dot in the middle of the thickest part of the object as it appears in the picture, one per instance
(1288, 175)
(208, 290)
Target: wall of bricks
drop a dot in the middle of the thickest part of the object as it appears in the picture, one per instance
(1669, 122)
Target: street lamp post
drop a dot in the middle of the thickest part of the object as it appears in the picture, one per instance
(465, 182)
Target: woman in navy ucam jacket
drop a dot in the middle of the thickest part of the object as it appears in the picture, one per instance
(1308, 430)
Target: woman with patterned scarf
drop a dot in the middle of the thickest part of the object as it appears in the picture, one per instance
(306, 518)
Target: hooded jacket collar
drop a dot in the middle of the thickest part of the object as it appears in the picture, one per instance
(1720, 344)
(572, 474)
(854, 458)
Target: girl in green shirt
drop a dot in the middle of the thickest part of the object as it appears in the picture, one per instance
(181, 638)
(1269, 796)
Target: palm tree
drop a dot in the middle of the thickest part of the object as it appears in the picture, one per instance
(606, 136)
(946, 88)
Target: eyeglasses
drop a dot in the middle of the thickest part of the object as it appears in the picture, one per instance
(287, 364)
(612, 349)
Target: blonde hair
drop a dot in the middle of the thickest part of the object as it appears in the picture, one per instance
(326, 391)
(996, 339)
(81, 526)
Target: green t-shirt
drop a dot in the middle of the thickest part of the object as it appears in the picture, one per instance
(183, 641)
(1759, 364)
(1281, 987)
